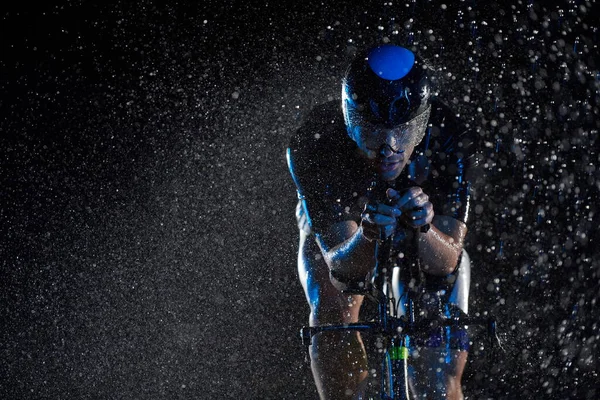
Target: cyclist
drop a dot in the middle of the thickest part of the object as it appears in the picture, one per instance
(390, 163)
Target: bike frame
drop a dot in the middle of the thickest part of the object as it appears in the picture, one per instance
(395, 330)
(398, 332)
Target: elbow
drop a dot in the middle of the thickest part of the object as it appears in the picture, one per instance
(333, 262)
(454, 261)
(347, 274)
(442, 264)
(438, 270)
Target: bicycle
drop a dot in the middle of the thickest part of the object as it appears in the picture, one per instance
(396, 332)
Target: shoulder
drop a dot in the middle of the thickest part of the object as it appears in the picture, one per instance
(319, 140)
(449, 133)
(450, 146)
(323, 125)
(321, 162)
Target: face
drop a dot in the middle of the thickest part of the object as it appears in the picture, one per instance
(388, 149)
(387, 155)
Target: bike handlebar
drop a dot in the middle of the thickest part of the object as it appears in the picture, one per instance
(400, 325)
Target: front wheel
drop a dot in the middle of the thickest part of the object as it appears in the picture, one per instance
(380, 371)
(390, 380)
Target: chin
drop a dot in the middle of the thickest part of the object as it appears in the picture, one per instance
(390, 175)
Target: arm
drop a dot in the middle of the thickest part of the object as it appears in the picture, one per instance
(347, 251)
(350, 249)
(441, 246)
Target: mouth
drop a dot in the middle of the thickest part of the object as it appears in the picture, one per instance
(388, 165)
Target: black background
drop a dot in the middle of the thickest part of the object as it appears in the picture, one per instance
(148, 239)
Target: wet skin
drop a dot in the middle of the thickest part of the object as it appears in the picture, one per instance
(339, 363)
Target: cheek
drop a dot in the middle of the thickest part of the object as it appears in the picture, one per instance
(402, 165)
(369, 154)
(361, 143)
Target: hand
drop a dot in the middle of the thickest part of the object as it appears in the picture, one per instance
(417, 210)
(379, 220)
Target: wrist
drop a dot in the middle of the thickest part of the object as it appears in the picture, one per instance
(368, 233)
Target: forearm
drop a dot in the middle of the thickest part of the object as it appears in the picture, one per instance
(353, 258)
(438, 252)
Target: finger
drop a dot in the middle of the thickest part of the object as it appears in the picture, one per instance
(388, 230)
(381, 219)
(392, 195)
(407, 197)
(388, 210)
(420, 222)
(419, 201)
(426, 209)
(377, 219)
(380, 208)
(416, 214)
(420, 216)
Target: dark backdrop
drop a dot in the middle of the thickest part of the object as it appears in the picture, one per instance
(148, 241)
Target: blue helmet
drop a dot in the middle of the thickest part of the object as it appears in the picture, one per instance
(387, 86)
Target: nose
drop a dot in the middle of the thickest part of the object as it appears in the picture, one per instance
(389, 147)
(386, 150)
